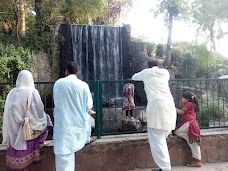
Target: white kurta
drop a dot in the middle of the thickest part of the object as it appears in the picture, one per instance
(73, 100)
(161, 111)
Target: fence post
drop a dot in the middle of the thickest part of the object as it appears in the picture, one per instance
(98, 107)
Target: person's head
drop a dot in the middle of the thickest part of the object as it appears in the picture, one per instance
(72, 68)
(25, 79)
(188, 96)
(152, 63)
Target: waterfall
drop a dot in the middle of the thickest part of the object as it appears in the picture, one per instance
(98, 51)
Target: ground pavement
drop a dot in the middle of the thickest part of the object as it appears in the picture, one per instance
(205, 167)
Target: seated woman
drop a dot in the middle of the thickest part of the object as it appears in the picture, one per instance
(24, 100)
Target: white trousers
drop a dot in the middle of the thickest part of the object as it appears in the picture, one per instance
(65, 162)
(159, 148)
(195, 148)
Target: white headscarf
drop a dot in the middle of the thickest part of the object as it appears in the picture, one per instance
(25, 79)
(17, 102)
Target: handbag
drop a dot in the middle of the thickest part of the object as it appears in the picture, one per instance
(28, 132)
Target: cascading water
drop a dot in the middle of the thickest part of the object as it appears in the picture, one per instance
(98, 51)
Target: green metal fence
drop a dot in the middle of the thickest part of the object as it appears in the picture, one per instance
(108, 99)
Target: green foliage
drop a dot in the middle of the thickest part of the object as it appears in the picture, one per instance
(201, 53)
(39, 33)
(12, 60)
(210, 15)
(160, 50)
(221, 65)
(150, 48)
(209, 112)
(138, 39)
(80, 11)
(41, 36)
(176, 57)
(172, 10)
(206, 62)
(188, 66)
(112, 11)
(179, 9)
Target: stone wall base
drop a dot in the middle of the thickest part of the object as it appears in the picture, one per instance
(127, 152)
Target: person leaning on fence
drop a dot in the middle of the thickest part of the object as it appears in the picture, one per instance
(189, 128)
(21, 153)
(73, 100)
(161, 112)
(128, 103)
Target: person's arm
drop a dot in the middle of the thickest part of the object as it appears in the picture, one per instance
(180, 111)
(184, 109)
(139, 76)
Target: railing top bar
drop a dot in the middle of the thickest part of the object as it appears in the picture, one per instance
(107, 81)
(13, 83)
(208, 79)
(172, 80)
(201, 79)
(44, 82)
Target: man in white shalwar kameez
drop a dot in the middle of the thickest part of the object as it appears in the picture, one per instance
(73, 100)
(161, 111)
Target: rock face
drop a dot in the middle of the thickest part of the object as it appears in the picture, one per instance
(139, 57)
(131, 124)
(114, 120)
(42, 67)
(45, 71)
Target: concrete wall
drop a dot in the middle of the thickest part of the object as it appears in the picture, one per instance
(127, 152)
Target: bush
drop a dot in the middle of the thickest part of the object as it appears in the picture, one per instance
(188, 66)
(160, 51)
(12, 60)
(210, 112)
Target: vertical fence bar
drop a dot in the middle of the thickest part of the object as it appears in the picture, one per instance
(98, 107)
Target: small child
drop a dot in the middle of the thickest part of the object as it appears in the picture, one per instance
(189, 128)
(128, 103)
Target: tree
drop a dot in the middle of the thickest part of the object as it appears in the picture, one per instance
(172, 10)
(210, 15)
(12, 18)
(113, 9)
(80, 11)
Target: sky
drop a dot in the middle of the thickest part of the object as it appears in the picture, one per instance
(143, 24)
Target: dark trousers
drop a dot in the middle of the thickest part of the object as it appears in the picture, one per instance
(131, 112)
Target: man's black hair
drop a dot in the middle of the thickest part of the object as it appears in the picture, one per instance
(72, 67)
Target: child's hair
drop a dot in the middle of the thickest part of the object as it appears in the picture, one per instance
(192, 98)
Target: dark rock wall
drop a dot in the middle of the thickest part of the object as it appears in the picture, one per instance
(66, 48)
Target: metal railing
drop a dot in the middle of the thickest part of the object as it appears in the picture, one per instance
(108, 100)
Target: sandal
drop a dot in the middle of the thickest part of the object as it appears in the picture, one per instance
(92, 140)
(156, 170)
(194, 164)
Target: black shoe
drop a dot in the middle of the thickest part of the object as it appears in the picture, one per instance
(156, 170)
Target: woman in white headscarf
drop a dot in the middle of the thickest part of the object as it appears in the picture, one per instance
(22, 153)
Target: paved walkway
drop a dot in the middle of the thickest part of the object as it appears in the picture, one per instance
(205, 167)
